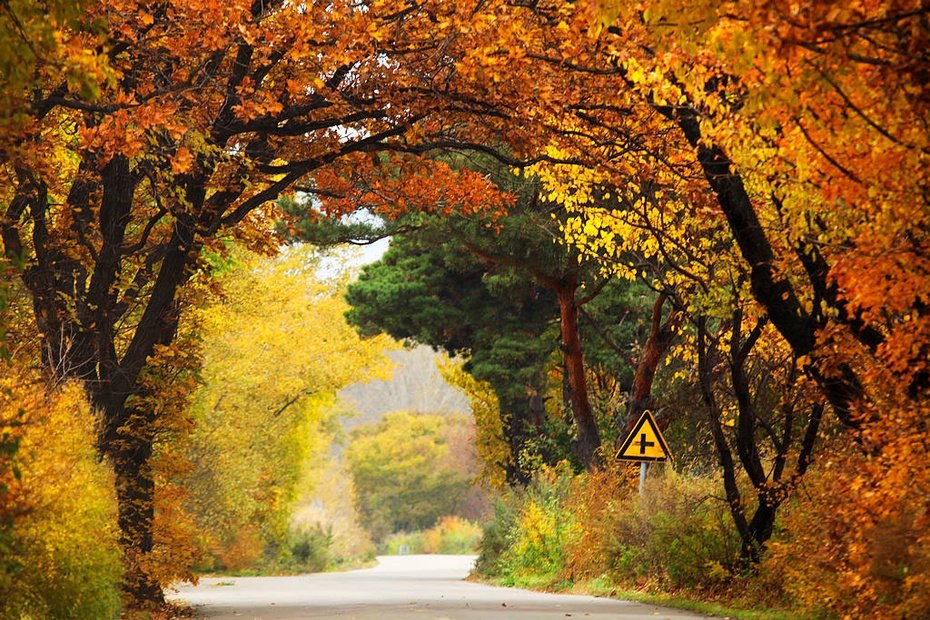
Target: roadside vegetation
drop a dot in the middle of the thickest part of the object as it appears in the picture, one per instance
(717, 212)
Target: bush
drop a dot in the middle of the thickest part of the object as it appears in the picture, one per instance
(402, 543)
(451, 536)
(677, 534)
(495, 538)
(63, 548)
(525, 544)
(310, 548)
(565, 527)
(855, 541)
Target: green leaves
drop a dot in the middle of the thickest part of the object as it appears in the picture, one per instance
(405, 476)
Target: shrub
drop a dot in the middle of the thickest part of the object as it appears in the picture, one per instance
(451, 535)
(310, 548)
(525, 544)
(566, 527)
(495, 537)
(63, 548)
(402, 543)
(677, 534)
(854, 542)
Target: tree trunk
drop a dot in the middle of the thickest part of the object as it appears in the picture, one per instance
(706, 362)
(129, 451)
(772, 290)
(588, 438)
(660, 338)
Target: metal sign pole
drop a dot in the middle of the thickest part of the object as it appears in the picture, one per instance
(643, 466)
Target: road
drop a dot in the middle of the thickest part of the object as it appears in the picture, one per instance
(412, 587)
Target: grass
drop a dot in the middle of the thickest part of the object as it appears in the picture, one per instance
(603, 588)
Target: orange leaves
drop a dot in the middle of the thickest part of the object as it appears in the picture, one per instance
(130, 128)
(856, 541)
(182, 160)
(404, 185)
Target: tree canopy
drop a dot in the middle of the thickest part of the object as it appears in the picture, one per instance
(763, 167)
(276, 350)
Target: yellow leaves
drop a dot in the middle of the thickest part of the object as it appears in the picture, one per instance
(276, 350)
(64, 513)
(490, 444)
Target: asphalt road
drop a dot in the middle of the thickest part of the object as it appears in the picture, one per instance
(412, 587)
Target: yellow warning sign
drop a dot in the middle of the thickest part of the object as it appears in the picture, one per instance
(645, 442)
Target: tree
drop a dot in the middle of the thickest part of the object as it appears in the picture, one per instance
(190, 119)
(491, 445)
(658, 109)
(276, 350)
(27, 36)
(495, 292)
(405, 476)
(439, 298)
(193, 116)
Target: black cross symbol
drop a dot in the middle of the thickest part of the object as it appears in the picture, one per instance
(643, 444)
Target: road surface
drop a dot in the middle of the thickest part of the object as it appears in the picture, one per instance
(412, 587)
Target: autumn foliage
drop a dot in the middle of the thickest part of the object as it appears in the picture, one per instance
(763, 167)
(59, 555)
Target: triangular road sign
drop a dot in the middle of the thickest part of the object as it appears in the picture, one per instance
(645, 442)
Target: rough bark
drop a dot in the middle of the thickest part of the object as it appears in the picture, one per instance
(78, 311)
(661, 335)
(588, 438)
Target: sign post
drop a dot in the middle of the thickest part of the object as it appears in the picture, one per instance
(644, 444)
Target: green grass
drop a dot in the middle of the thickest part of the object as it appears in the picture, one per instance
(603, 588)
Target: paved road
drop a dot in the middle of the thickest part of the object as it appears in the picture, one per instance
(414, 587)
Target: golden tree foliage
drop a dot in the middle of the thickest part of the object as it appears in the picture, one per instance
(62, 558)
(768, 159)
(409, 470)
(276, 350)
(145, 134)
(490, 443)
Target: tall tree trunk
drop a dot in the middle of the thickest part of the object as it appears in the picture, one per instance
(660, 338)
(770, 481)
(129, 451)
(706, 362)
(771, 289)
(588, 438)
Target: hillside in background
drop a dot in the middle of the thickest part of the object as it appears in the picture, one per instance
(416, 385)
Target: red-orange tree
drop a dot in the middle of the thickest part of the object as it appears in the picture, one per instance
(190, 119)
(795, 133)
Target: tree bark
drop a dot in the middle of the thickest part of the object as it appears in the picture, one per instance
(130, 454)
(661, 335)
(588, 438)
